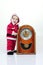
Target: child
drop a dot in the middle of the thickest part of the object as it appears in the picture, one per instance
(12, 30)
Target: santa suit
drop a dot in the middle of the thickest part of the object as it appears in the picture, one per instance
(12, 30)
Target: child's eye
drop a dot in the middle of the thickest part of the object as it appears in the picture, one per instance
(16, 19)
(13, 18)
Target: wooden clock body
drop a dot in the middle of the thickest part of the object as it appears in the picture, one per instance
(26, 46)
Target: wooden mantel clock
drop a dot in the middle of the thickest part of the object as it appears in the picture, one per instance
(26, 40)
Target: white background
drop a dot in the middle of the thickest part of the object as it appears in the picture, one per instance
(30, 12)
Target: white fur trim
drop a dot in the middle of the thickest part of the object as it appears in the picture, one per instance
(10, 50)
(11, 38)
(13, 28)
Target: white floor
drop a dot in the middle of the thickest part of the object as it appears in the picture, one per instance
(23, 59)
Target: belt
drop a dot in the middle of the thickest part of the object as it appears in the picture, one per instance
(12, 35)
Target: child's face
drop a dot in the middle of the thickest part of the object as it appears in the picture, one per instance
(15, 19)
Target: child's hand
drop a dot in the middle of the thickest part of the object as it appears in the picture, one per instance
(14, 33)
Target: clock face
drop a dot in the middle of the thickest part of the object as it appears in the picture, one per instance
(26, 34)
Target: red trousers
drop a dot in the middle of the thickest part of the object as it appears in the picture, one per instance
(11, 44)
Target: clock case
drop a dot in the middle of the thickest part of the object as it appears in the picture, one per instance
(22, 45)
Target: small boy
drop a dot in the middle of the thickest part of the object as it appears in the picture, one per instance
(12, 30)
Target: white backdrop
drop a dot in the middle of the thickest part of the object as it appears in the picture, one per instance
(29, 11)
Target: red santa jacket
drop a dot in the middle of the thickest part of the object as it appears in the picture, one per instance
(12, 28)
